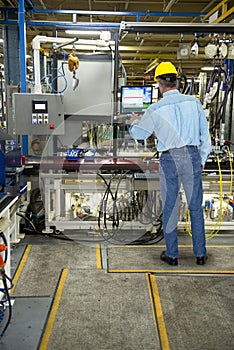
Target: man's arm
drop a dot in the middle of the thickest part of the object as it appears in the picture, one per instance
(142, 126)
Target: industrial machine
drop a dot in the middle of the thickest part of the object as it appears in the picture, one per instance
(10, 164)
(11, 189)
(96, 183)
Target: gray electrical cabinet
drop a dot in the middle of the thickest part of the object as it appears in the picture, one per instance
(38, 114)
(93, 96)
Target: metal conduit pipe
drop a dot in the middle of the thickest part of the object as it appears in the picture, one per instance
(121, 13)
(36, 44)
(168, 7)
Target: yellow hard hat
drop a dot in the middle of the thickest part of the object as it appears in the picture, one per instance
(165, 68)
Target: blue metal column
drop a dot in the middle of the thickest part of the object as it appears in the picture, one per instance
(22, 40)
(10, 35)
(11, 52)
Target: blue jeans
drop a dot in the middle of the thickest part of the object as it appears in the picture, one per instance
(182, 165)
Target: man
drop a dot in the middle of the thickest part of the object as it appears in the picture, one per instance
(180, 126)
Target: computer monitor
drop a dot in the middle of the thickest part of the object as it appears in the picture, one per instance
(135, 99)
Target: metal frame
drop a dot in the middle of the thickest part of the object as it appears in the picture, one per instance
(150, 27)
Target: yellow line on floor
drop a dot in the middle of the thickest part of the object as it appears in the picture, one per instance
(157, 311)
(147, 275)
(219, 246)
(20, 267)
(98, 257)
(218, 272)
(53, 312)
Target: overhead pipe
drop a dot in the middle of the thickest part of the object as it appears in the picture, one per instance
(79, 25)
(121, 13)
(168, 7)
(36, 45)
(147, 27)
(155, 27)
(143, 27)
(136, 14)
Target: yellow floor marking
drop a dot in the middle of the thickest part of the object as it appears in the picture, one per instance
(98, 257)
(157, 311)
(174, 271)
(53, 312)
(147, 275)
(20, 267)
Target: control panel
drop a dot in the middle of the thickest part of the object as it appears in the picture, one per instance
(40, 114)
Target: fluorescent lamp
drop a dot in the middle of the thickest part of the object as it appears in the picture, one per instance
(207, 69)
(82, 32)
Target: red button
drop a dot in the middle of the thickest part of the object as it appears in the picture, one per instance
(51, 126)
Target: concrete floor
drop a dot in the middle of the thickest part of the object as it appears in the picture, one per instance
(69, 295)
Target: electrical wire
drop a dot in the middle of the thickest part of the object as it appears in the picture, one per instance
(33, 229)
(182, 83)
(7, 301)
(37, 146)
(111, 234)
(61, 74)
(216, 227)
(5, 291)
(127, 210)
(218, 110)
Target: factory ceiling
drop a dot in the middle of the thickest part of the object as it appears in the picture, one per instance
(140, 52)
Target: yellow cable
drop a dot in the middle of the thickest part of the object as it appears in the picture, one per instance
(231, 181)
(214, 231)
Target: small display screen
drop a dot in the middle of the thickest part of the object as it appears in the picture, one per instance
(135, 99)
(39, 107)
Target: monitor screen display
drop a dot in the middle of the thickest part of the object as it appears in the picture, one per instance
(135, 99)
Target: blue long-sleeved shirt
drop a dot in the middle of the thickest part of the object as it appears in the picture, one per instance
(177, 120)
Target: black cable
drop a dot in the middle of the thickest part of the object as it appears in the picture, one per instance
(33, 229)
(116, 221)
(151, 238)
(103, 206)
(145, 205)
(28, 221)
(148, 237)
(5, 291)
(115, 216)
(115, 212)
(182, 87)
(222, 109)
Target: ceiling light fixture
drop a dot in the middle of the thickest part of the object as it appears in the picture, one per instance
(82, 32)
(207, 69)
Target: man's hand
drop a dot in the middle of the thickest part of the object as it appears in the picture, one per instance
(203, 167)
(135, 117)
